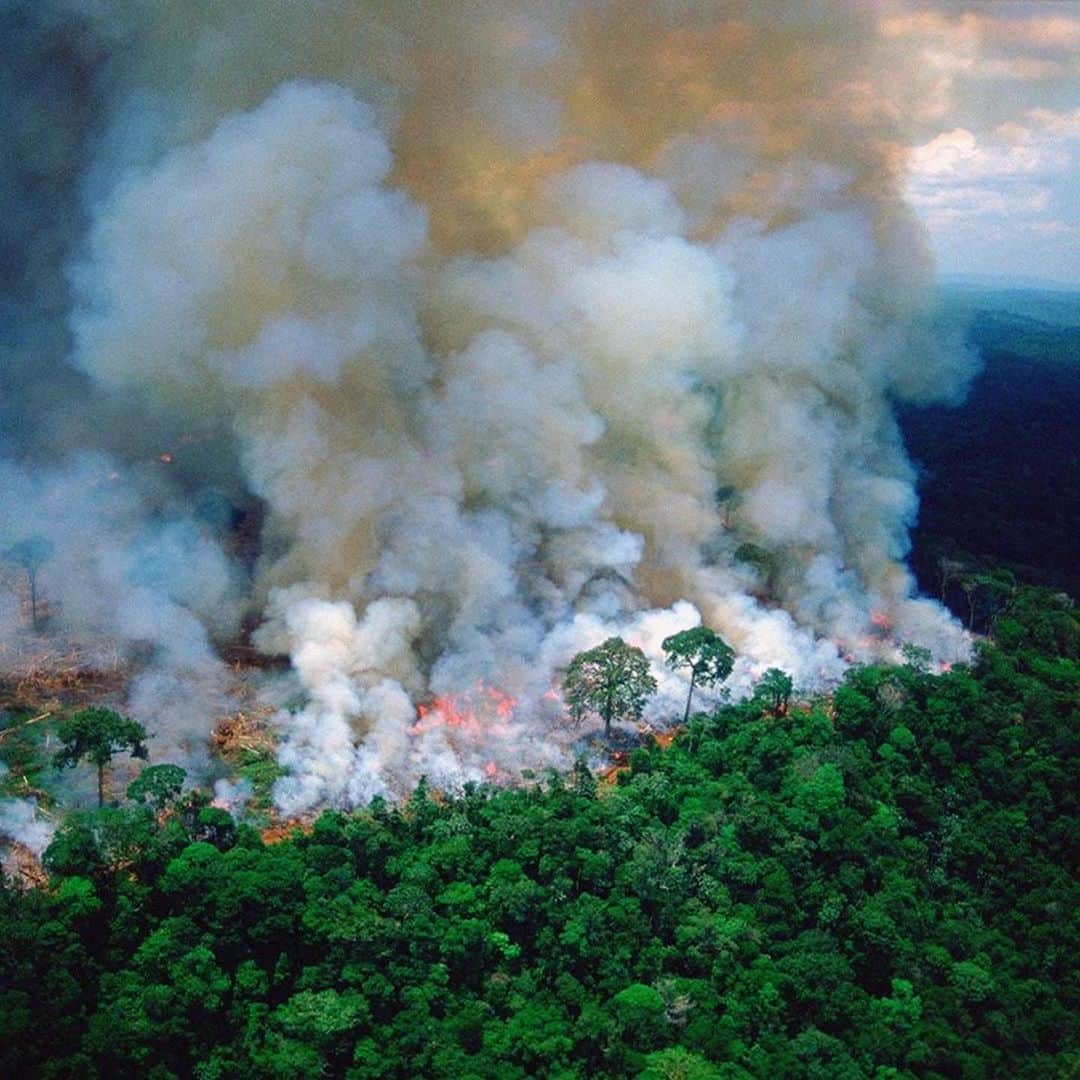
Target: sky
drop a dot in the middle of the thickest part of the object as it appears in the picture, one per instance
(995, 171)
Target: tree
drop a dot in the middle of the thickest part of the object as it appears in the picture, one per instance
(30, 554)
(763, 562)
(612, 680)
(775, 687)
(726, 497)
(916, 657)
(949, 571)
(158, 785)
(708, 656)
(98, 734)
(639, 1012)
(677, 1063)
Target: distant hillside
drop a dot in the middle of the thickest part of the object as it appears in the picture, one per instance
(1000, 476)
(1053, 307)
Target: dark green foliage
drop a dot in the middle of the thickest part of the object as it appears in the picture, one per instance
(774, 689)
(612, 680)
(880, 885)
(98, 735)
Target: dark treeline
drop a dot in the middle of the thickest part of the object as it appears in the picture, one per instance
(1000, 476)
(878, 884)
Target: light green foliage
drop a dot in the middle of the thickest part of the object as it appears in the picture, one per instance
(639, 1012)
(676, 1063)
(319, 1018)
(822, 794)
(916, 657)
(973, 982)
(158, 785)
(709, 658)
(613, 681)
(78, 898)
(23, 754)
(260, 768)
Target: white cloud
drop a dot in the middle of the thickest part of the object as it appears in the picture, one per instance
(998, 199)
(1041, 141)
(1018, 168)
(974, 201)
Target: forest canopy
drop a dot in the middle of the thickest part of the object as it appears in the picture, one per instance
(880, 883)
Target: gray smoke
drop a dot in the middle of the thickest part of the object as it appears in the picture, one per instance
(529, 325)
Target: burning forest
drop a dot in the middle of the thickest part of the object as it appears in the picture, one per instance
(431, 344)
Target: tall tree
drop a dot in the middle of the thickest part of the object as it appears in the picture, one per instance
(31, 554)
(97, 735)
(774, 687)
(613, 680)
(708, 656)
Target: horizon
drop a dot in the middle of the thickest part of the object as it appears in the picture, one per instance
(1006, 283)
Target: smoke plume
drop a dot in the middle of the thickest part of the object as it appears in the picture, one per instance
(527, 325)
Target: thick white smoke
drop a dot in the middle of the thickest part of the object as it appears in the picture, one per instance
(114, 579)
(534, 325)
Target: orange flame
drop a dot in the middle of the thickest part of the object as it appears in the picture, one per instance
(881, 621)
(480, 711)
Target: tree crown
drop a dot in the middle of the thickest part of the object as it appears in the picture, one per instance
(703, 651)
(158, 785)
(31, 552)
(612, 680)
(97, 734)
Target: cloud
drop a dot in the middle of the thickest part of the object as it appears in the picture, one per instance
(1021, 45)
(982, 64)
(994, 152)
(1019, 173)
(958, 156)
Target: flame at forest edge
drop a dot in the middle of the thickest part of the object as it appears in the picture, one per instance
(528, 326)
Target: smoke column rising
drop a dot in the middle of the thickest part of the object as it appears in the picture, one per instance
(532, 324)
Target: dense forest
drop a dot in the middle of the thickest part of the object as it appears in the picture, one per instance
(1000, 476)
(875, 884)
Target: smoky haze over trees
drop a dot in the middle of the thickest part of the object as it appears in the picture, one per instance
(30, 555)
(507, 354)
(1000, 477)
